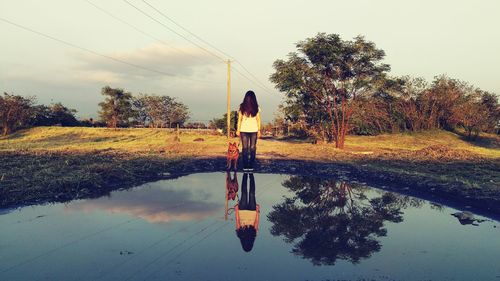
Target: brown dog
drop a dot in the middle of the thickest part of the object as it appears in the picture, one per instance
(232, 156)
(231, 186)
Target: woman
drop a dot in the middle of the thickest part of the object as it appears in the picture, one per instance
(249, 129)
(247, 214)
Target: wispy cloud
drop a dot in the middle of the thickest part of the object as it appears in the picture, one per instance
(153, 205)
(156, 61)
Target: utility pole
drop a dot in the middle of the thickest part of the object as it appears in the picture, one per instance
(228, 99)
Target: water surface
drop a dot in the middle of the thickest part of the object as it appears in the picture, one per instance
(310, 229)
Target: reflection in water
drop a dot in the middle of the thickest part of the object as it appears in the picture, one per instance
(231, 185)
(153, 205)
(231, 191)
(323, 221)
(327, 220)
(247, 213)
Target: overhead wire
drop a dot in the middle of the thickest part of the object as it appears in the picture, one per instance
(76, 241)
(116, 266)
(251, 74)
(165, 239)
(97, 53)
(246, 77)
(139, 30)
(187, 30)
(224, 224)
(174, 31)
(255, 80)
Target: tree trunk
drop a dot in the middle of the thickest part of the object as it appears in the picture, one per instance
(5, 129)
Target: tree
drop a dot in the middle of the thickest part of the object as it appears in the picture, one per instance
(55, 114)
(490, 102)
(327, 75)
(438, 102)
(471, 114)
(411, 104)
(116, 109)
(41, 116)
(221, 123)
(195, 125)
(152, 110)
(178, 113)
(160, 111)
(15, 112)
(408, 104)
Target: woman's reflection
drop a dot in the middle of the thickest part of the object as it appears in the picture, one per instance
(247, 214)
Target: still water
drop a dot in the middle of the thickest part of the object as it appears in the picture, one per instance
(309, 229)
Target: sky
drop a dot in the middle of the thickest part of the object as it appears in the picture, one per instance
(422, 38)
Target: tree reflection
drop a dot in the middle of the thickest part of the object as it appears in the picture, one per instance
(327, 220)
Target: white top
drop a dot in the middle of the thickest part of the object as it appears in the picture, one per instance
(248, 123)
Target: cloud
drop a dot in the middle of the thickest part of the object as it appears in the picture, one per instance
(156, 61)
(97, 76)
(153, 205)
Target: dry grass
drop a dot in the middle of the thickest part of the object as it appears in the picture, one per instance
(160, 141)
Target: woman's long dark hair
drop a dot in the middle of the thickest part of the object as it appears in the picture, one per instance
(249, 106)
(247, 236)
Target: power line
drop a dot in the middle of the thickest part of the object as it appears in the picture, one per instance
(170, 250)
(138, 29)
(130, 25)
(266, 184)
(76, 241)
(224, 224)
(172, 30)
(257, 82)
(116, 266)
(29, 260)
(96, 53)
(251, 74)
(246, 77)
(187, 30)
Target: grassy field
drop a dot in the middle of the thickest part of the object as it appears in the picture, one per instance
(138, 140)
(75, 162)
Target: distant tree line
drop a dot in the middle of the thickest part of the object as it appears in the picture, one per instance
(335, 87)
(119, 109)
(414, 105)
(122, 109)
(18, 112)
(221, 122)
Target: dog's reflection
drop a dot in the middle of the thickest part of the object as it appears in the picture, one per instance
(246, 213)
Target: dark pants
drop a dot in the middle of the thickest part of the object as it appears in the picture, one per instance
(247, 201)
(249, 144)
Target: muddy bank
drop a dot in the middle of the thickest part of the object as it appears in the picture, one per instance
(27, 178)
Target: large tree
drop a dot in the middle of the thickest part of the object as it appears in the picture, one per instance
(116, 109)
(15, 112)
(327, 75)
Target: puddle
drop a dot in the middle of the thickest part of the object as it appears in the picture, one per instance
(309, 229)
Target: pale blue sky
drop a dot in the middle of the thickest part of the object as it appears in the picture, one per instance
(421, 38)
